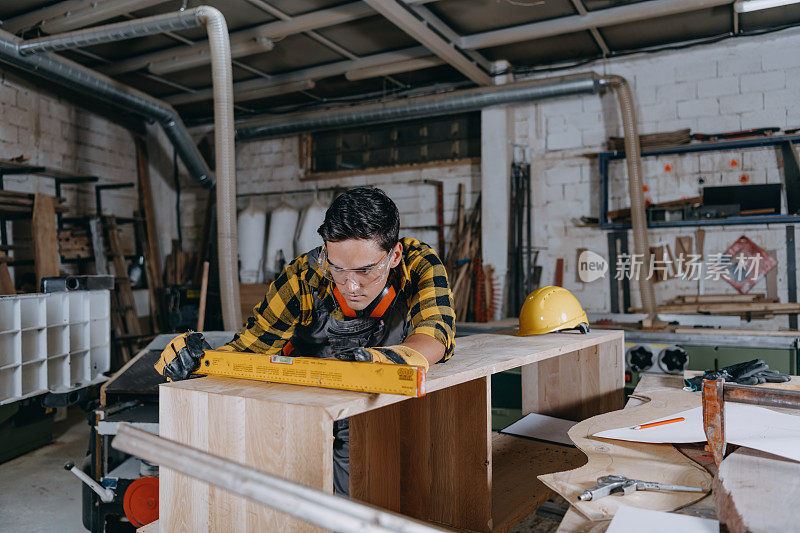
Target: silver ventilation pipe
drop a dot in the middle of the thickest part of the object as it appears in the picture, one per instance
(424, 106)
(31, 56)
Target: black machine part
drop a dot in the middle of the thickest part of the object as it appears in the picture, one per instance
(77, 283)
(639, 358)
(673, 359)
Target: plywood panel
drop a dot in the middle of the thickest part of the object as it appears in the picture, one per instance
(428, 458)
(183, 501)
(516, 461)
(461, 456)
(293, 442)
(230, 437)
(577, 385)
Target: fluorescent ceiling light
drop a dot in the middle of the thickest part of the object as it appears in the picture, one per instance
(744, 6)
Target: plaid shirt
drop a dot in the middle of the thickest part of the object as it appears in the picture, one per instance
(289, 302)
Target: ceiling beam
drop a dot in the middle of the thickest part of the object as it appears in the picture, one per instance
(598, 39)
(405, 19)
(593, 19)
(430, 18)
(312, 73)
(271, 30)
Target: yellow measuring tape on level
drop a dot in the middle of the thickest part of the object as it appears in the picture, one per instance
(408, 380)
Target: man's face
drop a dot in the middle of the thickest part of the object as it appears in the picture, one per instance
(359, 290)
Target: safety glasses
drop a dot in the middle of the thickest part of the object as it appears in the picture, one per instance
(362, 276)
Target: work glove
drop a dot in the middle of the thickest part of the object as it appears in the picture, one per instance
(752, 372)
(400, 355)
(182, 356)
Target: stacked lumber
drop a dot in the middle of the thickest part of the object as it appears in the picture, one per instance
(464, 254)
(75, 243)
(179, 266)
(20, 204)
(748, 306)
(653, 140)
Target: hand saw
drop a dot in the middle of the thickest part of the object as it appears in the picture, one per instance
(407, 380)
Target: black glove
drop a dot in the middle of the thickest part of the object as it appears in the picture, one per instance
(182, 356)
(752, 372)
(399, 355)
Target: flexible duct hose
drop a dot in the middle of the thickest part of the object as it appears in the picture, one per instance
(633, 156)
(227, 237)
(32, 56)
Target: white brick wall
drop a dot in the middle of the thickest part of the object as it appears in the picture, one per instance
(55, 133)
(735, 84)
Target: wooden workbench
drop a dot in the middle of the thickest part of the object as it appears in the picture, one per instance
(430, 458)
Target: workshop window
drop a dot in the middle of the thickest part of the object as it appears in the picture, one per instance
(412, 143)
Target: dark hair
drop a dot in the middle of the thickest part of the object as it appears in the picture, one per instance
(362, 213)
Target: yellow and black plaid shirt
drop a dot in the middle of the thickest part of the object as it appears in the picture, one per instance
(289, 302)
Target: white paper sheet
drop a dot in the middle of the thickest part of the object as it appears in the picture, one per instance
(542, 427)
(634, 520)
(745, 425)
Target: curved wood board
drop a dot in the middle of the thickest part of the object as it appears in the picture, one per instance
(650, 462)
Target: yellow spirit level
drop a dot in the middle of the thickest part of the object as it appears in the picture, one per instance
(408, 380)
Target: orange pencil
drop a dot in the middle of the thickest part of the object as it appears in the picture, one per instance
(661, 423)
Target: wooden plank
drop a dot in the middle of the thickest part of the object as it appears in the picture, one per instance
(656, 462)
(771, 280)
(757, 492)
(6, 284)
(153, 284)
(716, 298)
(428, 458)
(516, 491)
(45, 238)
(577, 385)
(146, 203)
(290, 441)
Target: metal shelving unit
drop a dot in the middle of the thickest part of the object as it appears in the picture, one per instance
(791, 181)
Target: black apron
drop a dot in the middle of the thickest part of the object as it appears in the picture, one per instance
(326, 335)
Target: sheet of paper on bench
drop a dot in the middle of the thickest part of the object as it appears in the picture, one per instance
(745, 425)
(635, 520)
(542, 427)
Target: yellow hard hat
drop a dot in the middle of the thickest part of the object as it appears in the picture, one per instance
(551, 309)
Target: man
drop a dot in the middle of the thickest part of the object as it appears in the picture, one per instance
(365, 295)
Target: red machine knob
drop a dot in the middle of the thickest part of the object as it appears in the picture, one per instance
(141, 501)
